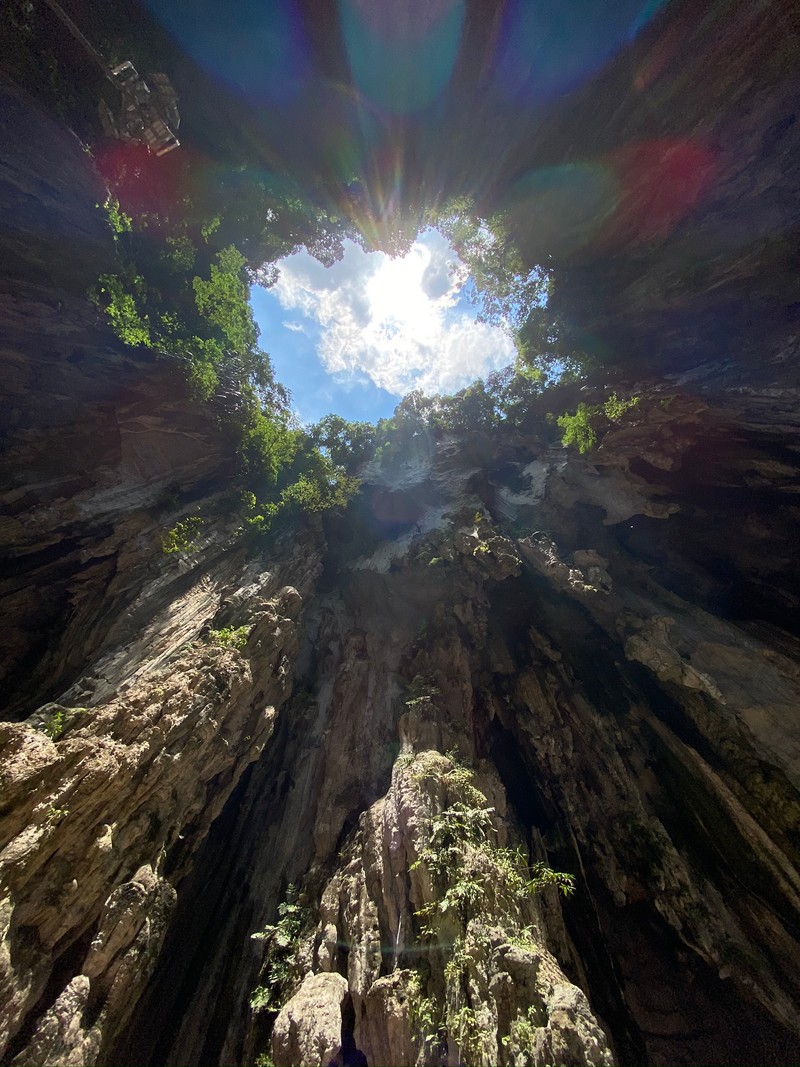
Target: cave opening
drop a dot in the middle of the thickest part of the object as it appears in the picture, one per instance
(407, 458)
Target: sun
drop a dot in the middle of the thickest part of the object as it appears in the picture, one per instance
(398, 324)
(410, 294)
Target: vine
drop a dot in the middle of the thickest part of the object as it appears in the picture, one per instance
(280, 971)
(468, 871)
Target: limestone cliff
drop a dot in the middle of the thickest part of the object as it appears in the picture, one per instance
(308, 800)
(549, 650)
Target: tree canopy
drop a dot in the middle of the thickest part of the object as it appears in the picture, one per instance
(195, 229)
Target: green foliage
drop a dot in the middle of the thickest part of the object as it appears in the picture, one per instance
(522, 1033)
(210, 227)
(461, 1020)
(181, 289)
(420, 690)
(463, 1026)
(118, 221)
(423, 1009)
(524, 938)
(311, 493)
(281, 940)
(203, 379)
(450, 771)
(228, 637)
(201, 321)
(579, 429)
(503, 287)
(460, 831)
(320, 490)
(183, 535)
(262, 998)
(549, 349)
(56, 720)
(180, 253)
(221, 300)
(504, 398)
(347, 444)
(539, 877)
(296, 478)
(54, 724)
(471, 877)
(424, 1015)
(269, 444)
(118, 299)
(615, 407)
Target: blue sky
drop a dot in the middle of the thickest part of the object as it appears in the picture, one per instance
(315, 392)
(356, 337)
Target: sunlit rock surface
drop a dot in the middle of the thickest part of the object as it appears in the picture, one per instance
(619, 712)
(604, 648)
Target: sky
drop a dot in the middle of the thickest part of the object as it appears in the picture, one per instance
(354, 338)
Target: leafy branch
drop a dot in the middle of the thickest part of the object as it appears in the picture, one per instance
(280, 969)
(579, 428)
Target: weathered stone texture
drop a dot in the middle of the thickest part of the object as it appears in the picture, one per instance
(308, 1029)
(605, 647)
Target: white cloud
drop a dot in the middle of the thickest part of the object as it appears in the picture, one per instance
(397, 322)
(295, 327)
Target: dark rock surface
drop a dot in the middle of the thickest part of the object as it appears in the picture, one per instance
(103, 449)
(643, 733)
(610, 644)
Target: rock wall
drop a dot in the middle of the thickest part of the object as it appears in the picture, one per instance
(550, 651)
(299, 803)
(107, 792)
(102, 816)
(103, 449)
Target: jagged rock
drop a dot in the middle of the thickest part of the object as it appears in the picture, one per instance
(545, 684)
(119, 963)
(375, 905)
(385, 1028)
(572, 1035)
(61, 1039)
(89, 818)
(652, 647)
(308, 1030)
(639, 733)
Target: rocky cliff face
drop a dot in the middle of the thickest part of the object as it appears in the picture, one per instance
(303, 802)
(103, 451)
(503, 647)
(531, 643)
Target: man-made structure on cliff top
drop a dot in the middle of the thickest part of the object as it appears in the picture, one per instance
(148, 113)
(144, 111)
(591, 658)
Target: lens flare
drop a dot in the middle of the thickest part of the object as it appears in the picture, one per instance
(637, 193)
(546, 49)
(258, 49)
(148, 184)
(662, 181)
(401, 54)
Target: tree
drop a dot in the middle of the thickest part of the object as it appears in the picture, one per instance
(471, 409)
(548, 343)
(222, 301)
(502, 287)
(347, 443)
